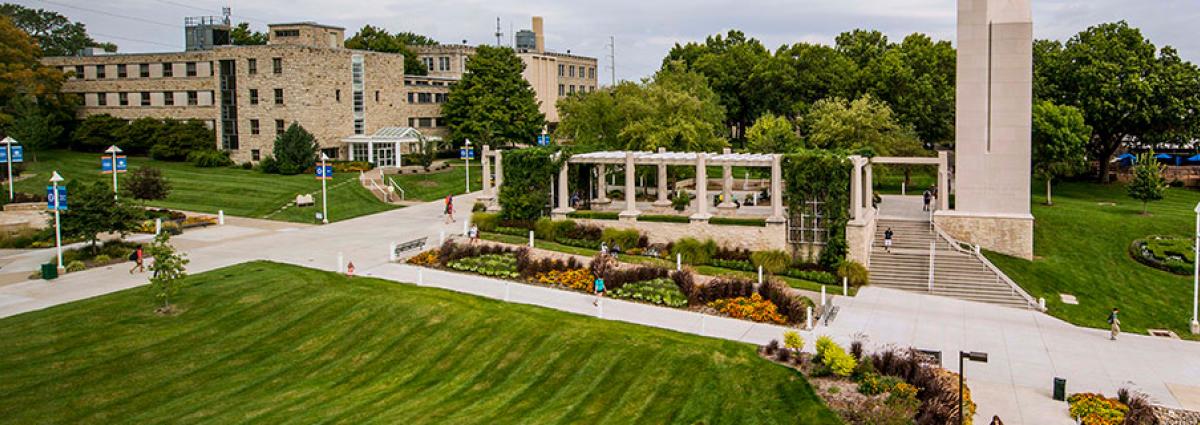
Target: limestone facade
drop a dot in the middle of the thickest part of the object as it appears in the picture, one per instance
(1010, 235)
(748, 237)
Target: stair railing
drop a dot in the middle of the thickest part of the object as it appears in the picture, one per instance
(975, 251)
(932, 253)
(392, 183)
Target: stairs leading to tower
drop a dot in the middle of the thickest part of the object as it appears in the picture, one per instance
(956, 274)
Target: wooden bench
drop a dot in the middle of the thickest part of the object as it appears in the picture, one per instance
(401, 248)
(304, 200)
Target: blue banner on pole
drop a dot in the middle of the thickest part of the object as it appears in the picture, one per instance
(466, 153)
(18, 154)
(106, 164)
(62, 198)
(543, 139)
(325, 172)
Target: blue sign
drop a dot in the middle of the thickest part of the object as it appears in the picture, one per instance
(62, 198)
(18, 154)
(106, 164)
(325, 172)
(466, 153)
(543, 139)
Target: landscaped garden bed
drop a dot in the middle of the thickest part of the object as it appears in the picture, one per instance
(1174, 254)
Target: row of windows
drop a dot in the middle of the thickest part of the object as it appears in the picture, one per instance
(425, 83)
(440, 63)
(165, 69)
(424, 122)
(255, 130)
(418, 98)
(563, 90)
(254, 100)
(569, 71)
(190, 98)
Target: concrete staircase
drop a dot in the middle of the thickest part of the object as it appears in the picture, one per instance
(957, 274)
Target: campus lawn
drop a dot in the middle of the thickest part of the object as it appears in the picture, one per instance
(1081, 244)
(245, 193)
(269, 343)
(436, 185)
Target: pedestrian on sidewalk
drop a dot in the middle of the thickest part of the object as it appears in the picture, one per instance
(138, 257)
(473, 233)
(449, 209)
(603, 248)
(350, 269)
(1114, 323)
(887, 239)
(616, 249)
(599, 291)
(927, 196)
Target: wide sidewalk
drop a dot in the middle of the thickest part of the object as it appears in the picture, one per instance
(1026, 349)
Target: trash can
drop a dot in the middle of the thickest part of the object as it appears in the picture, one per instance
(49, 271)
(1060, 389)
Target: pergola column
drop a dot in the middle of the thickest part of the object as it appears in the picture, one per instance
(486, 160)
(943, 184)
(662, 200)
(777, 190)
(370, 151)
(564, 202)
(631, 211)
(499, 180)
(856, 189)
(727, 186)
(868, 187)
(701, 214)
(601, 185)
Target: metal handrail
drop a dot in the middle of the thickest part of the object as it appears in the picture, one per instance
(392, 183)
(954, 243)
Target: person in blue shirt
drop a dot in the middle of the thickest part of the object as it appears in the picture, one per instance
(599, 290)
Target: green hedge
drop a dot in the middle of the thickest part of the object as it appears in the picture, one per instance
(595, 215)
(660, 218)
(733, 221)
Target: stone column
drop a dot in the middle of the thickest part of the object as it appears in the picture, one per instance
(702, 200)
(495, 206)
(868, 187)
(631, 211)
(601, 185)
(486, 160)
(943, 183)
(727, 186)
(370, 151)
(777, 191)
(856, 189)
(564, 199)
(662, 200)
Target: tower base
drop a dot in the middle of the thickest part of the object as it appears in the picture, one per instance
(1006, 234)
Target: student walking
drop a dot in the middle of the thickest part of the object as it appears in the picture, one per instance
(887, 239)
(599, 283)
(473, 233)
(139, 257)
(449, 209)
(927, 196)
(1114, 323)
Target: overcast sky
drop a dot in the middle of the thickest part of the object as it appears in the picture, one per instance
(644, 30)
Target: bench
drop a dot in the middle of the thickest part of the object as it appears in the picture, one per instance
(833, 311)
(304, 200)
(401, 248)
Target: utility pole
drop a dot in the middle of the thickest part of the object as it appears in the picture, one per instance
(498, 33)
(612, 58)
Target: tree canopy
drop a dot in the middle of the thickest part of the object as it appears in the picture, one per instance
(772, 134)
(26, 86)
(493, 104)
(377, 39)
(55, 34)
(242, 35)
(295, 150)
(865, 123)
(93, 210)
(1059, 136)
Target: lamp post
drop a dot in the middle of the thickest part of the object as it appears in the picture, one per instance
(324, 199)
(8, 143)
(974, 356)
(54, 180)
(114, 150)
(467, 157)
(1196, 276)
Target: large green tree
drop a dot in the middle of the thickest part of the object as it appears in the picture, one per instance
(796, 76)
(727, 62)
(24, 79)
(493, 104)
(865, 123)
(242, 35)
(1059, 136)
(93, 210)
(55, 34)
(33, 126)
(772, 134)
(377, 39)
(1148, 184)
(295, 150)
(916, 79)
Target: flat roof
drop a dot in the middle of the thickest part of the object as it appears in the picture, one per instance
(304, 23)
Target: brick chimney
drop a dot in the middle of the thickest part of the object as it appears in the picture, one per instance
(538, 36)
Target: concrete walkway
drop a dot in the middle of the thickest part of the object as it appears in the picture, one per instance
(1027, 349)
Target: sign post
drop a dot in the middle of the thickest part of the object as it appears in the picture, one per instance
(467, 154)
(113, 164)
(11, 154)
(57, 197)
(324, 172)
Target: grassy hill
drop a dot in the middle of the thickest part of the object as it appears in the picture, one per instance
(270, 343)
(1081, 244)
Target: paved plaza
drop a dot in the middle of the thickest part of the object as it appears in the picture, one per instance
(1026, 349)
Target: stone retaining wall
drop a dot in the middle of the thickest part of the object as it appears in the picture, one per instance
(748, 237)
(1004, 234)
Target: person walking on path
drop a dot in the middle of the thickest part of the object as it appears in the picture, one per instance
(449, 209)
(887, 239)
(1114, 323)
(139, 257)
(599, 283)
(473, 233)
(927, 196)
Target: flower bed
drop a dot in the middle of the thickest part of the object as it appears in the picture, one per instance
(1168, 253)
(1095, 409)
(493, 265)
(658, 291)
(753, 308)
(578, 279)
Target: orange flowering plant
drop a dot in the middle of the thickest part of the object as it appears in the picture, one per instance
(753, 307)
(427, 258)
(579, 279)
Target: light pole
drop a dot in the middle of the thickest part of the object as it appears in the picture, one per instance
(974, 356)
(8, 142)
(114, 150)
(467, 156)
(54, 180)
(324, 175)
(1196, 276)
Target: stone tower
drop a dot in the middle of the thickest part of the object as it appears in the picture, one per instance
(993, 105)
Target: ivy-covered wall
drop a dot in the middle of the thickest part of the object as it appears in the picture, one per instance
(822, 176)
(528, 175)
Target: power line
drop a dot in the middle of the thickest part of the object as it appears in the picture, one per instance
(132, 18)
(137, 40)
(188, 6)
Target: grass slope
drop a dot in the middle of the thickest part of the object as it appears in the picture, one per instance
(271, 343)
(245, 193)
(1081, 244)
(434, 186)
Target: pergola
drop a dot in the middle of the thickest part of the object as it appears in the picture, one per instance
(384, 148)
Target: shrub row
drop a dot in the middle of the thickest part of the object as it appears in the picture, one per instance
(938, 387)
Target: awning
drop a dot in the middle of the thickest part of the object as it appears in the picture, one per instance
(391, 135)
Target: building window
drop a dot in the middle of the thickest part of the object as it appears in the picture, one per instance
(571, 71)
(78, 72)
(102, 99)
(440, 97)
(277, 65)
(425, 122)
(144, 70)
(571, 88)
(121, 71)
(410, 99)
(424, 98)
(193, 98)
(123, 99)
(562, 70)
(412, 122)
(562, 90)
(254, 154)
(278, 127)
(145, 99)
(376, 96)
(356, 83)
(254, 130)
(444, 63)
(287, 33)
(190, 69)
(253, 96)
(428, 61)
(592, 73)
(278, 96)
(359, 151)
(99, 72)
(168, 98)
(168, 69)
(252, 66)
(337, 95)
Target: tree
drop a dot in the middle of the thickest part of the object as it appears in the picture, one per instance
(94, 210)
(178, 139)
(377, 39)
(592, 121)
(727, 62)
(1148, 184)
(916, 79)
(140, 135)
(242, 35)
(835, 124)
(1059, 137)
(413, 39)
(167, 271)
(493, 104)
(797, 76)
(295, 150)
(55, 34)
(862, 46)
(33, 127)
(426, 152)
(147, 183)
(97, 132)
(22, 77)
(772, 134)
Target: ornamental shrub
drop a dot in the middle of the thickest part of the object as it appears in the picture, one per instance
(295, 150)
(527, 176)
(694, 251)
(835, 357)
(753, 308)
(209, 158)
(625, 238)
(485, 221)
(772, 261)
(855, 273)
(76, 266)
(793, 340)
(147, 183)
(1095, 409)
